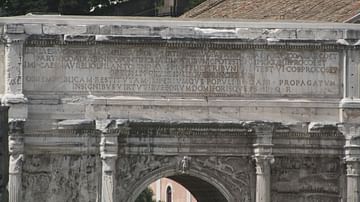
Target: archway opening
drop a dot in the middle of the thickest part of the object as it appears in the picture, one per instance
(199, 189)
(203, 191)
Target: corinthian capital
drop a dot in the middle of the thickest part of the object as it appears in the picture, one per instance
(263, 163)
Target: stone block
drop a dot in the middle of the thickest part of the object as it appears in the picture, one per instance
(58, 29)
(14, 29)
(33, 29)
(135, 30)
(18, 111)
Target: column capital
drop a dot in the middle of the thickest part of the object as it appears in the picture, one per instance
(110, 130)
(263, 163)
(349, 129)
(264, 133)
(353, 168)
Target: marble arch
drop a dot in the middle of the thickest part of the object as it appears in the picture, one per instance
(98, 108)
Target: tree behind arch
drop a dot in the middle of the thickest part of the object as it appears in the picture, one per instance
(145, 196)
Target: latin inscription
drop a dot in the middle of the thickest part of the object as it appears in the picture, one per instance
(134, 70)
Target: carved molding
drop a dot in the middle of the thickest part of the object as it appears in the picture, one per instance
(78, 39)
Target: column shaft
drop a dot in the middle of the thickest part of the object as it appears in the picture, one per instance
(263, 186)
(109, 154)
(108, 180)
(16, 151)
(353, 181)
(15, 171)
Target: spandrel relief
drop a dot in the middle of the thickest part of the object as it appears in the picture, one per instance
(60, 178)
(305, 179)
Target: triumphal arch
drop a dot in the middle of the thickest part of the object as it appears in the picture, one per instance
(235, 111)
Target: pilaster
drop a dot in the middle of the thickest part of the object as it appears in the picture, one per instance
(263, 158)
(109, 155)
(16, 152)
(14, 95)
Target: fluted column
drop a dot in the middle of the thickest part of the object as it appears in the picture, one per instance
(16, 152)
(109, 154)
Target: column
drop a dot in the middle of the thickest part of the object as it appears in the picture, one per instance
(263, 186)
(263, 159)
(353, 180)
(352, 160)
(109, 154)
(108, 179)
(16, 152)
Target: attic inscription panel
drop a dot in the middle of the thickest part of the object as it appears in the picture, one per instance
(180, 71)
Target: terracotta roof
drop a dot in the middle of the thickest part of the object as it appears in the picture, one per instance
(314, 10)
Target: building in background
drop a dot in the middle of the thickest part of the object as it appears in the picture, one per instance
(171, 7)
(167, 190)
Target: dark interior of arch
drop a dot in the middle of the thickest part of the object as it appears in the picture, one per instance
(200, 189)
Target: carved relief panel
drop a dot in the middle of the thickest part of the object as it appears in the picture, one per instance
(70, 178)
(310, 179)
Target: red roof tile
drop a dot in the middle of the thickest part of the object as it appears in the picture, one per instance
(314, 10)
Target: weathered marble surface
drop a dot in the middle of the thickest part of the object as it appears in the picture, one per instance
(307, 179)
(207, 70)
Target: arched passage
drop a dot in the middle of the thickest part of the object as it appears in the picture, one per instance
(200, 189)
(208, 178)
(203, 187)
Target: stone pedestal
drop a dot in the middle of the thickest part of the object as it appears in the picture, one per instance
(16, 151)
